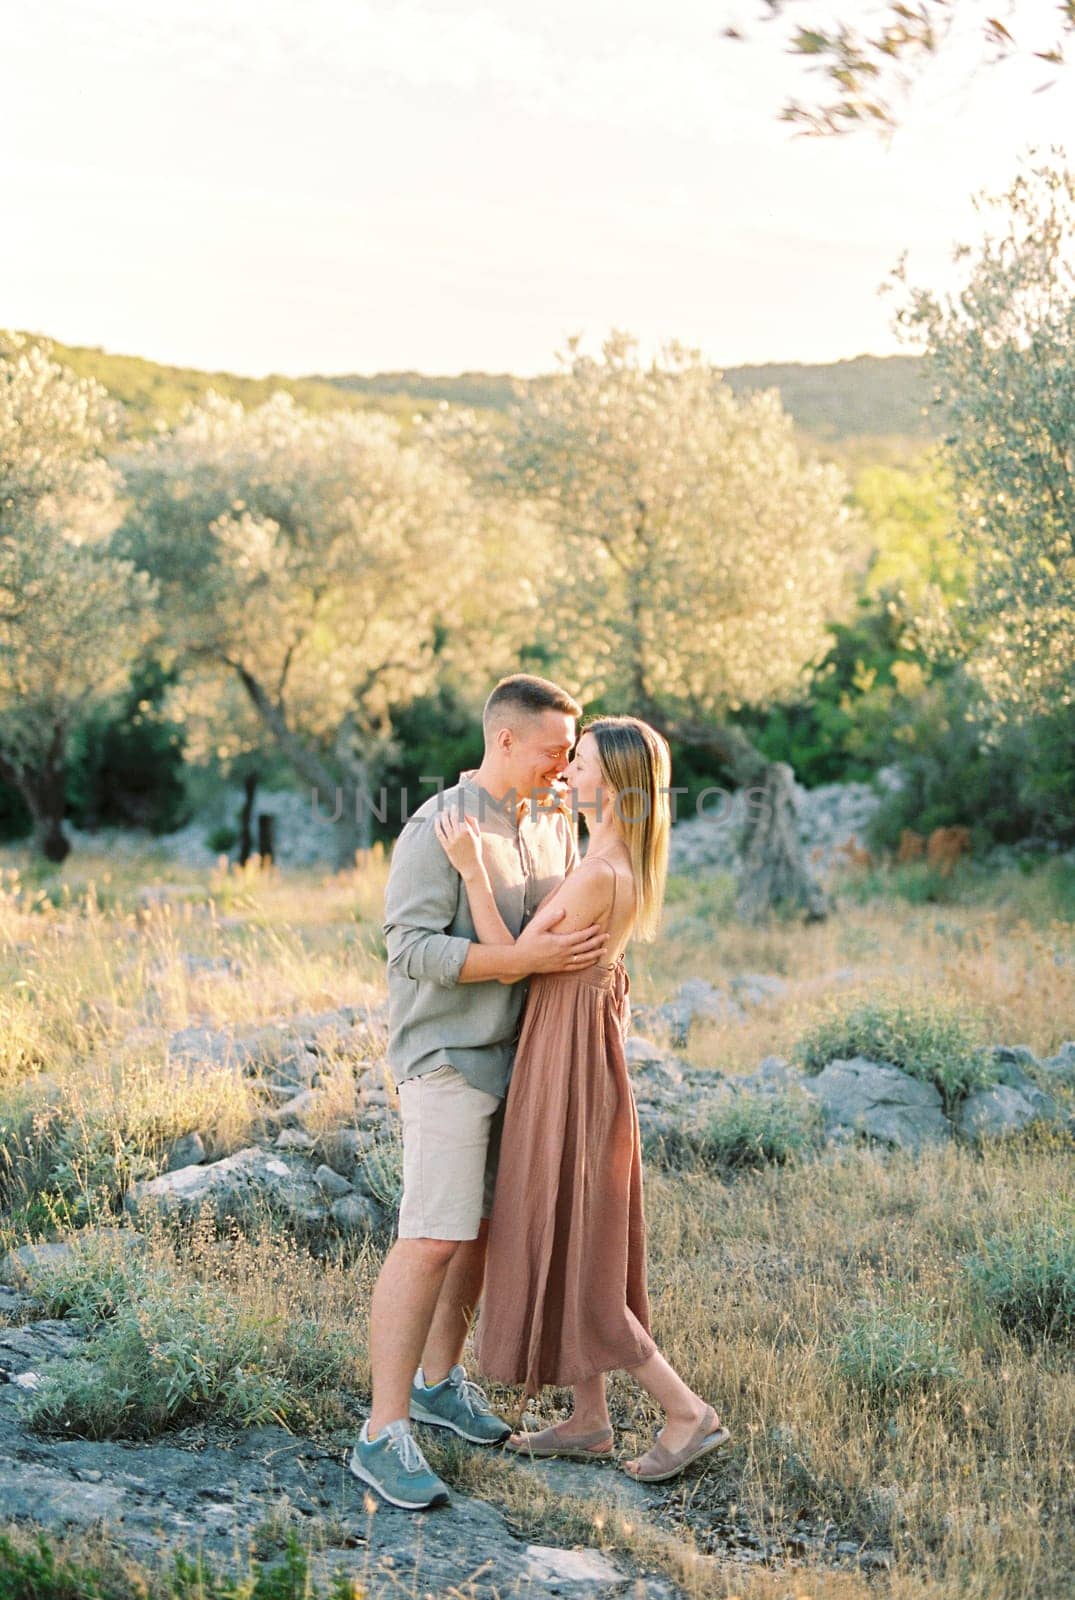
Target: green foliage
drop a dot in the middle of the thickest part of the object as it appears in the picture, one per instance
(1027, 1279)
(909, 513)
(867, 688)
(30, 1569)
(889, 1354)
(1001, 361)
(840, 732)
(835, 400)
(1002, 790)
(880, 396)
(753, 1130)
(862, 61)
(167, 1351)
(82, 615)
(86, 1161)
(34, 1572)
(916, 882)
(877, 396)
(126, 763)
(15, 819)
(223, 838)
(677, 511)
(933, 1040)
(438, 735)
(152, 393)
(382, 1170)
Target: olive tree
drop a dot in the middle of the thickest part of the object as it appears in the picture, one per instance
(1000, 352)
(867, 69)
(314, 573)
(73, 616)
(700, 558)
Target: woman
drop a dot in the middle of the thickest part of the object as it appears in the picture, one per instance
(565, 1297)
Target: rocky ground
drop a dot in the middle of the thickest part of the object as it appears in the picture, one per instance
(217, 1493)
(193, 1494)
(222, 1495)
(342, 1181)
(322, 1154)
(855, 1098)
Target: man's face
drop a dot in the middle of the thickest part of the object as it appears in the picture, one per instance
(540, 750)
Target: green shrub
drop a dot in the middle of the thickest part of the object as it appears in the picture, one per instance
(30, 1569)
(382, 1169)
(222, 839)
(35, 1572)
(916, 882)
(1027, 1279)
(125, 764)
(934, 1040)
(166, 1350)
(94, 1161)
(95, 1281)
(749, 1131)
(889, 1354)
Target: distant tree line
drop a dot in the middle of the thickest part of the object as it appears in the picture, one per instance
(329, 595)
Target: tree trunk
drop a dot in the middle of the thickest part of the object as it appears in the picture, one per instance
(47, 813)
(265, 836)
(246, 818)
(774, 875)
(351, 801)
(45, 795)
(360, 772)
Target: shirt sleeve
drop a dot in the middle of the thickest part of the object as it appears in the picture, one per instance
(419, 906)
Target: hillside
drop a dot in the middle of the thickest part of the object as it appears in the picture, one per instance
(153, 392)
(868, 395)
(870, 407)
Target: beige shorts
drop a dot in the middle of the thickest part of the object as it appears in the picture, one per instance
(451, 1145)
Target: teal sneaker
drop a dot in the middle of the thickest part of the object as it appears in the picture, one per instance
(459, 1404)
(394, 1466)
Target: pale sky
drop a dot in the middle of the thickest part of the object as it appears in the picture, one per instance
(360, 185)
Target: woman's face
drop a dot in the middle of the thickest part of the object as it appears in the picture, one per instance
(593, 796)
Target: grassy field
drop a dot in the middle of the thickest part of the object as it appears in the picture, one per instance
(902, 1419)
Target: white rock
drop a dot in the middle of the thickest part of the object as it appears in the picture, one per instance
(547, 1565)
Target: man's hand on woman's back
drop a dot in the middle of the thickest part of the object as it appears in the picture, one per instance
(542, 949)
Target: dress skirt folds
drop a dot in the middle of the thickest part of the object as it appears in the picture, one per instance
(565, 1295)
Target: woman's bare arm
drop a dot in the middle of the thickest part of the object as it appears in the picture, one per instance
(584, 895)
(489, 925)
(573, 909)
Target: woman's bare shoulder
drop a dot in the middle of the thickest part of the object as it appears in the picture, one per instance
(587, 888)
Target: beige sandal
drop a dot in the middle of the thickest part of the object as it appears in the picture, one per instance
(547, 1443)
(659, 1463)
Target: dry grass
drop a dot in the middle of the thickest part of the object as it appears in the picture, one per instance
(966, 1482)
(1014, 962)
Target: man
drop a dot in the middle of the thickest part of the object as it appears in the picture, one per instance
(453, 1013)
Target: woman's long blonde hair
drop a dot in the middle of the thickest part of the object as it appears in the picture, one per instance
(636, 762)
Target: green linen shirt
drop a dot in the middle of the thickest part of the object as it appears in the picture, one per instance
(433, 1019)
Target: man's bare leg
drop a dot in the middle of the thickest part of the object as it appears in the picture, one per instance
(456, 1304)
(401, 1313)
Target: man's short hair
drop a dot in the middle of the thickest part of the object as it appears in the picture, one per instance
(523, 695)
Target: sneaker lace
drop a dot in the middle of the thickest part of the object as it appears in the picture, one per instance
(473, 1397)
(409, 1454)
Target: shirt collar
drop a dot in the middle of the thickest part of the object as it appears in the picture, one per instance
(522, 807)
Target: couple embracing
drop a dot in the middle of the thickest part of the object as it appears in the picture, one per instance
(522, 1172)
